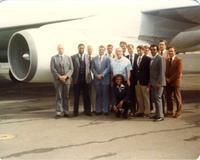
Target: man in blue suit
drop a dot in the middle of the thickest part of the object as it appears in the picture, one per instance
(101, 71)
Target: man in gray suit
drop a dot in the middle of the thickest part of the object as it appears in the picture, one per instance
(62, 69)
(81, 80)
(157, 81)
(101, 71)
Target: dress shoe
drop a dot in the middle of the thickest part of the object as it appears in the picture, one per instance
(177, 114)
(146, 116)
(98, 113)
(57, 116)
(169, 114)
(88, 114)
(75, 115)
(159, 119)
(153, 117)
(106, 114)
(139, 114)
(66, 115)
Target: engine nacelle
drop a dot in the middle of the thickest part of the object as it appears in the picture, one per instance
(30, 51)
(189, 40)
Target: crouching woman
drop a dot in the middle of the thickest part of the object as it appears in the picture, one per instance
(121, 96)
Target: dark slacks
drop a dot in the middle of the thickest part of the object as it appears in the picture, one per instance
(82, 88)
(176, 93)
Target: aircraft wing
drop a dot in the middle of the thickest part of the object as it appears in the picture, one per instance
(168, 23)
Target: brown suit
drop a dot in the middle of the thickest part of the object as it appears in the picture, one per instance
(174, 75)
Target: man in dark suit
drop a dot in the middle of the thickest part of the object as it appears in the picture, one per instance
(173, 78)
(141, 82)
(101, 71)
(132, 57)
(81, 80)
(62, 69)
(157, 81)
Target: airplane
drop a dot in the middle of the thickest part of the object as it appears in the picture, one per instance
(29, 33)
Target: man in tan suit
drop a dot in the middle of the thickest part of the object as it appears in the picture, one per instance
(173, 78)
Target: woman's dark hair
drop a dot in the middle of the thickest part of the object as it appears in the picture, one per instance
(116, 76)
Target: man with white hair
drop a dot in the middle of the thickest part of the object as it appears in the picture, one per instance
(62, 69)
(121, 65)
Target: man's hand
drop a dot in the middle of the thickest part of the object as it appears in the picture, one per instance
(63, 78)
(100, 77)
(120, 104)
(168, 80)
(129, 83)
(158, 86)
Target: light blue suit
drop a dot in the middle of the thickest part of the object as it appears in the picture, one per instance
(102, 86)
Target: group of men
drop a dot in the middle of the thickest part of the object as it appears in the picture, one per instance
(153, 75)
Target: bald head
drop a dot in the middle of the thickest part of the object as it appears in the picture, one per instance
(60, 49)
(119, 52)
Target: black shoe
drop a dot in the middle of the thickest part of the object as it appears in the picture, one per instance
(66, 115)
(57, 116)
(88, 114)
(139, 114)
(159, 119)
(153, 117)
(98, 113)
(75, 115)
(106, 114)
(118, 114)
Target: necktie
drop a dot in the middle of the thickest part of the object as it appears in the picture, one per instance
(90, 61)
(170, 61)
(62, 64)
(139, 60)
(131, 59)
(100, 59)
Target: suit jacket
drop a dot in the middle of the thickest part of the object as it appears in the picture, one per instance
(133, 67)
(174, 71)
(157, 71)
(56, 69)
(121, 93)
(104, 69)
(142, 73)
(76, 63)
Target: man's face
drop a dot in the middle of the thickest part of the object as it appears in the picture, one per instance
(162, 46)
(153, 50)
(89, 50)
(110, 49)
(130, 49)
(81, 49)
(171, 52)
(119, 53)
(140, 51)
(146, 51)
(60, 49)
(123, 46)
(101, 51)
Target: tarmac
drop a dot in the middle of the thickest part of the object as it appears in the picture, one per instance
(29, 131)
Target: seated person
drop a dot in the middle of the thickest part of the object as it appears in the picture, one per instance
(121, 96)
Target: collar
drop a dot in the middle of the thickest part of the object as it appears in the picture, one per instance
(61, 55)
(81, 55)
(173, 57)
(154, 56)
(141, 56)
